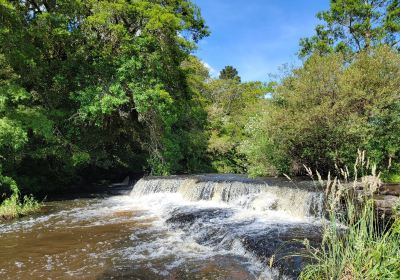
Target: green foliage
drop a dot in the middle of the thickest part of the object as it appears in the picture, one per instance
(12, 137)
(263, 146)
(354, 25)
(230, 105)
(97, 85)
(355, 244)
(229, 72)
(391, 178)
(323, 112)
(362, 253)
(12, 207)
(8, 187)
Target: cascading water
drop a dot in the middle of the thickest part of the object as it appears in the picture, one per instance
(210, 227)
(260, 219)
(236, 190)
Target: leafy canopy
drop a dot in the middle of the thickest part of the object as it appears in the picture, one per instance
(354, 25)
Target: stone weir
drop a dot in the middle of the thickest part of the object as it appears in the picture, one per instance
(267, 218)
(301, 198)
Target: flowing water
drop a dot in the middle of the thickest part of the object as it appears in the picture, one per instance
(178, 227)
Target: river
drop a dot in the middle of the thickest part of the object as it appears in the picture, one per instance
(179, 227)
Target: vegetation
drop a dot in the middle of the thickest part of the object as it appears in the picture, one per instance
(362, 253)
(229, 72)
(93, 90)
(90, 88)
(230, 105)
(345, 97)
(12, 206)
(351, 26)
(323, 112)
(355, 243)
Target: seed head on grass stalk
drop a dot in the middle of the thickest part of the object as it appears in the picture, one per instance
(354, 246)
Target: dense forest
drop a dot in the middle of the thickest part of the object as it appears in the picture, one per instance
(95, 90)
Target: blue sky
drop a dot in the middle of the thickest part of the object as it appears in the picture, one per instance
(256, 36)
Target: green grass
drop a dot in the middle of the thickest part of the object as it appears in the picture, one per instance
(362, 251)
(13, 207)
(355, 244)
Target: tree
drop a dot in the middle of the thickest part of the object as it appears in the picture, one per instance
(98, 88)
(229, 72)
(323, 112)
(354, 25)
(230, 106)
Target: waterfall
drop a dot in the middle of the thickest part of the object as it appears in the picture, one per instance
(258, 195)
(252, 218)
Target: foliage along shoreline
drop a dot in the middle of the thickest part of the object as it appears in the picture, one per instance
(91, 90)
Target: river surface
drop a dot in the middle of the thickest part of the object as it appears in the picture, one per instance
(197, 227)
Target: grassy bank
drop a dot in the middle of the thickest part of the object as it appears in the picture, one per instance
(357, 242)
(14, 207)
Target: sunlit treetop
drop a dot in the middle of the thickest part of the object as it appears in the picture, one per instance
(354, 25)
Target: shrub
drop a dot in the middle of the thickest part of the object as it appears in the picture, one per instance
(13, 206)
(326, 110)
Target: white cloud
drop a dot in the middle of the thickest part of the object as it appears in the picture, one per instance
(212, 71)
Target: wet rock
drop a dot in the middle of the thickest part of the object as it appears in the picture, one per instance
(283, 243)
(208, 227)
(390, 189)
(283, 246)
(190, 216)
(386, 203)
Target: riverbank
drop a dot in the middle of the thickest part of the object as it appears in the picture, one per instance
(17, 206)
(361, 235)
(14, 207)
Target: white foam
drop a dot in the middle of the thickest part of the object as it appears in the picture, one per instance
(248, 208)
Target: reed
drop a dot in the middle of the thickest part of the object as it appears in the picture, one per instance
(355, 245)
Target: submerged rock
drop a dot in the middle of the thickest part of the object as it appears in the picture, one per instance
(189, 216)
(281, 245)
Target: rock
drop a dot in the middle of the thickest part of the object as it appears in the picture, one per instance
(124, 183)
(385, 203)
(280, 244)
(390, 189)
(284, 248)
(190, 216)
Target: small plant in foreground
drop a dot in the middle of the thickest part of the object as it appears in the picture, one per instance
(355, 244)
(13, 207)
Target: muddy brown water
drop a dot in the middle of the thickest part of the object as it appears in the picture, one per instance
(91, 239)
(164, 229)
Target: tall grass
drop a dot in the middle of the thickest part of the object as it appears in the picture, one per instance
(356, 244)
(14, 207)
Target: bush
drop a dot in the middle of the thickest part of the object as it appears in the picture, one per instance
(11, 206)
(326, 110)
